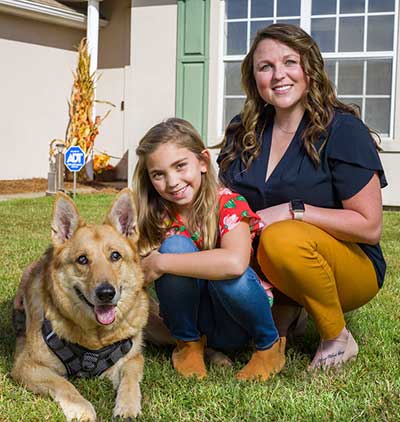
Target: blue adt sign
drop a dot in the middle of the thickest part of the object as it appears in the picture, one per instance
(74, 158)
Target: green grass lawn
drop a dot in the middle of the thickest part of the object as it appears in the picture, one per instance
(365, 390)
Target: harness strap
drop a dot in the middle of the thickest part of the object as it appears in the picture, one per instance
(82, 362)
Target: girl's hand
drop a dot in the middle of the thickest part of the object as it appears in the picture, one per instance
(150, 267)
(275, 214)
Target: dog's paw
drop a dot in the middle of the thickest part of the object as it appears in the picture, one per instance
(128, 412)
(217, 358)
(80, 412)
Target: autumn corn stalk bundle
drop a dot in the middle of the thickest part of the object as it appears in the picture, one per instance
(82, 128)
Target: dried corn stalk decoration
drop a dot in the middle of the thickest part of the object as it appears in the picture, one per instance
(101, 163)
(82, 130)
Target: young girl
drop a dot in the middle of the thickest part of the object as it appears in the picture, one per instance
(196, 239)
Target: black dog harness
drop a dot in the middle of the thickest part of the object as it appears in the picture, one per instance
(82, 362)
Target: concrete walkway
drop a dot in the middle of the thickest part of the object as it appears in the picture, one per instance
(28, 195)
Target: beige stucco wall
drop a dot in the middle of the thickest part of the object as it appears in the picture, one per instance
(113, 60)
(216, 74)
(391, 164)
(36, 64)
(151, 77)
(391, 157)
(38, 60)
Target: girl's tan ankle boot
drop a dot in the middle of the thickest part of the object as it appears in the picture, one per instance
(188, 358)
(264, 364)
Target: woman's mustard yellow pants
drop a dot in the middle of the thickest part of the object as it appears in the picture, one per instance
(325, 275)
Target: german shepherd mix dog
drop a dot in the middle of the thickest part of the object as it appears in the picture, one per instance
(85, 308)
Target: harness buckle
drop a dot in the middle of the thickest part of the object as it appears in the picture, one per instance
(89, 361)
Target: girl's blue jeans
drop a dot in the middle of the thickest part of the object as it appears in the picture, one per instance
(230, 313)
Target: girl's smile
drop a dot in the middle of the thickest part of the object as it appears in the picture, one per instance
(175, 173)
(180, 193)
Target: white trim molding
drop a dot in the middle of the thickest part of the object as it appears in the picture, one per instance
(47, 13)
(390, 146)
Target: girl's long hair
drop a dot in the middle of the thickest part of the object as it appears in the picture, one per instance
(152, 208)
(319, 101)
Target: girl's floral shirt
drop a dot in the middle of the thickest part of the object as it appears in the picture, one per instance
(233, 208)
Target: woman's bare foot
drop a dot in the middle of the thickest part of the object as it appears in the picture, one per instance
(335, 352)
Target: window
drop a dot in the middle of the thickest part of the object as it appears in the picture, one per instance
(356, 38)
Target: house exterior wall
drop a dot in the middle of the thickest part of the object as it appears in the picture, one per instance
(215, 73)
(391, 155)
(391, 165)
(37, 59)
(113, 64)
(137, 64)
(151, 78)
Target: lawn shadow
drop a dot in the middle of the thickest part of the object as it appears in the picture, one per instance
(7, 333)
(156, 352)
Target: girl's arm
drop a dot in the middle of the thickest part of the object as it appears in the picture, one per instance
(229, 261)
(360, 221)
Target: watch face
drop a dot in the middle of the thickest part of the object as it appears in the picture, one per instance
(297, 205)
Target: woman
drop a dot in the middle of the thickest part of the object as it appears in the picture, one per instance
(310, 167)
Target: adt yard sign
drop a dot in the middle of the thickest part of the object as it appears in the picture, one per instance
(74, 158)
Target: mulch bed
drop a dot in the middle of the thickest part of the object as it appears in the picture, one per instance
(8, 187)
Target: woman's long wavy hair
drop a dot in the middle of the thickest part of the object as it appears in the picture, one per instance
(152, 208)
(319, 100)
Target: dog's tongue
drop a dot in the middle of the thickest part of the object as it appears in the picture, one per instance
(105, 314)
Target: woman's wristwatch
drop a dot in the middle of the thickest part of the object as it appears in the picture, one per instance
(297, 209)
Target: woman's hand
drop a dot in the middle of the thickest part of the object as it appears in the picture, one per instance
(151, 267)
(275, 214)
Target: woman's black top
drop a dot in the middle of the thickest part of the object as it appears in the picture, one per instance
(348, 157)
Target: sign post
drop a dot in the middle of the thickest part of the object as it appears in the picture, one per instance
(74, 160)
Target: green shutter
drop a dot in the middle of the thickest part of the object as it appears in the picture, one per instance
(192, 63)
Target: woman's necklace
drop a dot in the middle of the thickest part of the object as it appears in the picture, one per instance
(284, 130)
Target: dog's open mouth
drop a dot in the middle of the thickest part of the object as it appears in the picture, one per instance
(105, 314)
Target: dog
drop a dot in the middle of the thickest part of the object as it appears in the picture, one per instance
(85, 306)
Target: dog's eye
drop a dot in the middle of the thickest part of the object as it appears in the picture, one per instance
(83, 260)
(115, 256)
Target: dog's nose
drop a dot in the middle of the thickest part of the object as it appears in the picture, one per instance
(105, 292)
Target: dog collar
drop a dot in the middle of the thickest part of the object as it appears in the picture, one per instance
(82, 362)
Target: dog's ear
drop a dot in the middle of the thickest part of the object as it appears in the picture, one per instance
(65, 219)
(122, 215)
